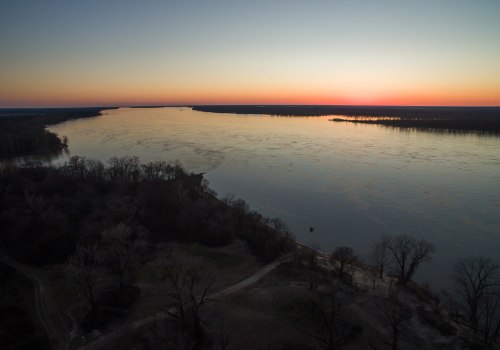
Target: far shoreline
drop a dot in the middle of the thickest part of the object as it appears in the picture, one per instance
(479, 120)
(24, 131)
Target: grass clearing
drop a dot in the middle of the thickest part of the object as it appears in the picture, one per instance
(219, 259)
(294, 309)
(148, 273)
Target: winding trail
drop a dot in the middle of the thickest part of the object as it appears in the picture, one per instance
(101, 342)
(48, 313)
(252, 279)
(56, 328)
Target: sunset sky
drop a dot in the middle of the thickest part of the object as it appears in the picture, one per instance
(120, 52)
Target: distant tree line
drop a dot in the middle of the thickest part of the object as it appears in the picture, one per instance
(22, 136)
(22, 131)
(476, 119)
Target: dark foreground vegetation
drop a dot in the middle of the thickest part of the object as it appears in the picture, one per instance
(18, 329)
(457, 119)
(95, 217)
(22, 130)
(104, 234)
(47, 211)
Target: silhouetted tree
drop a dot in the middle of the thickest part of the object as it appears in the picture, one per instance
(327, 307)
(406, 254)
(125, 169)
(395, 318)
(83, 266)
(380, 254)
(279, 226)
(222, 332)
(489, 322)
(187, 291)
(371, 274)
(477, 280)
(346, 260)
(120, 246)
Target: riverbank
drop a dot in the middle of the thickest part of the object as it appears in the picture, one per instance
(23, 130)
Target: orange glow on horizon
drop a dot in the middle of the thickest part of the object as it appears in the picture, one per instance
(342, 92)
(97, 98)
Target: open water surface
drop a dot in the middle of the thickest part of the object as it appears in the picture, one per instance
(350, 182)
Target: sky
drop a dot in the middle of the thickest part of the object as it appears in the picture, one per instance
(152, 52)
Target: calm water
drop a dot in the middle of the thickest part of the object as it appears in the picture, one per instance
(352, 183)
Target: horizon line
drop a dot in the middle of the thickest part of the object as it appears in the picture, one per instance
(245, 104)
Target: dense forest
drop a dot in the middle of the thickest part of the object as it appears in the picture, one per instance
(51, 216)
(47, 211)
(22, 130)
(459, 119)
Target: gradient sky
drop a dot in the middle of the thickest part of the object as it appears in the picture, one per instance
(121, 52)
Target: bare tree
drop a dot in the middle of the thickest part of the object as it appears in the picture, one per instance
(380, 254)
(406, 254)
(346, 260)
(222, 332)
(395, 317)
(327, 307)
(489, 322)
(187, 291)
(371, 274)
(476, 278)
(311, 256)
(84, 266)
(279, 226)
(124, 170)
(121, 245)
(313, 282)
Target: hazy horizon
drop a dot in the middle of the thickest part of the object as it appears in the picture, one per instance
(122, 53)
(241, 104)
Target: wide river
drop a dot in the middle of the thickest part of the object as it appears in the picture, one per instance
(351, 183)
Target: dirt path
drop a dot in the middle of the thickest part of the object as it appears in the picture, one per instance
(105, 339)
(252, 279)
(46, 309)
(56, 328)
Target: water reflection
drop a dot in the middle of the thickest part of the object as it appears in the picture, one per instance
(361, 118)
(487, 128)
(46, 158)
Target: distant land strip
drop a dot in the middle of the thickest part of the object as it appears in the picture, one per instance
(23, 130)
(484, 120)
